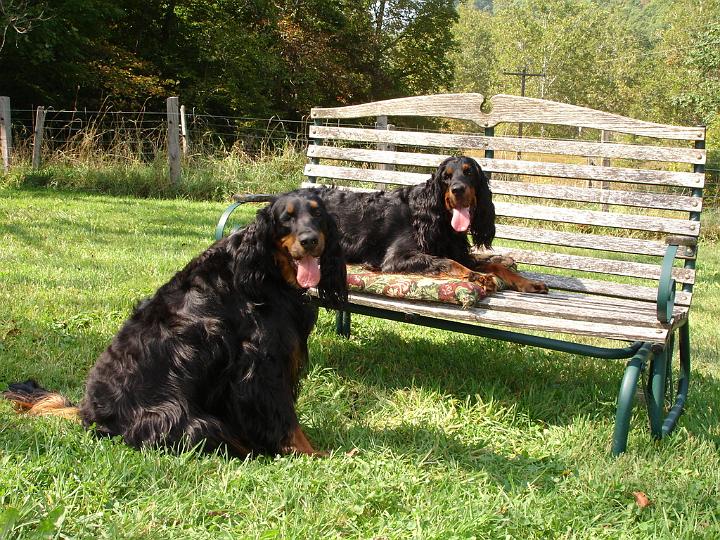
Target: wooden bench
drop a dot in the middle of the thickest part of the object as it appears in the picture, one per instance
(610, 226)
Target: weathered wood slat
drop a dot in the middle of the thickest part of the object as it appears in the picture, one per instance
(500, 187)
(507, 108)
(513, 144)
(607, 288)
(486, 316)
(535, 168)
(459, 106)
(580, 308)
(365, 175)
(619, 244)
(660, 201)
(375, 156)
(595, 172)
(603, 219)
(591, 264)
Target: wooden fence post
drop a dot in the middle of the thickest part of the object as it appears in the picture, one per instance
(183, 132)
(38, 136)
(5, 131)
(173, 136)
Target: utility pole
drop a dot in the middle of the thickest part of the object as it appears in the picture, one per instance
(523, 75)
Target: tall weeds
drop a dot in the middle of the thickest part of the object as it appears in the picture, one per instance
(128, 158)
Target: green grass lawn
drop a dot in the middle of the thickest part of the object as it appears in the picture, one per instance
(431, 434)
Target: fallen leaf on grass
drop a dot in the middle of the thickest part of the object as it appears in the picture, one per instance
(352, 452)
(641, 499)
(220, 513)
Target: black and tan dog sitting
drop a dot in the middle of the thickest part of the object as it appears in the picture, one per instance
(215, 356)
(423, 228)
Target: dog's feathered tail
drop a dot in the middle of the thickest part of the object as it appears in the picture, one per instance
(30, 398)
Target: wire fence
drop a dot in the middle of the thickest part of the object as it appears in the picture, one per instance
(143, 134)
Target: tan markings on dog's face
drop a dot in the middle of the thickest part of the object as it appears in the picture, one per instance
(288, 248)
(284, 261)
(467, 200)
(466, 167)
(449, 171)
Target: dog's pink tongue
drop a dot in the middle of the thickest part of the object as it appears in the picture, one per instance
(308, 272)
(460, 219)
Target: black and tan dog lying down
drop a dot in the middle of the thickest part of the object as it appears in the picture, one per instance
(423, 229)
(214, 357)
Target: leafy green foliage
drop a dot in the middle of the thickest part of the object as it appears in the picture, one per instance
(257, 58)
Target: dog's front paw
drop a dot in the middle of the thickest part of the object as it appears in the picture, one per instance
(532, 286)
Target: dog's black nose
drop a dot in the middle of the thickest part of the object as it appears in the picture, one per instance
(308, 240)
(457, 189)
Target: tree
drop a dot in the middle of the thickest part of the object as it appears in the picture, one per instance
(474, 59)
(17, 17)
(575, 43)
(404, 46)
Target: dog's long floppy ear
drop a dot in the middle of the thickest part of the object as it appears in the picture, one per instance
(482, 225)
(428, 211)
(332, 288)
(252, 252)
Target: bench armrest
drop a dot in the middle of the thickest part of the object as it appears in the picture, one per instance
(666, 286)
(239, 200)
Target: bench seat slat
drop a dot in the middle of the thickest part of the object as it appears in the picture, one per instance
(591, 264)
(480, 315)
(606, 288)
(578, 307)
(511, 144)
(602, 219)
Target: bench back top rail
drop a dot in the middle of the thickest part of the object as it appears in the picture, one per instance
(609, 219)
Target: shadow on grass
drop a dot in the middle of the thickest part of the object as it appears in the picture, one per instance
(550, 388)
(417, 443)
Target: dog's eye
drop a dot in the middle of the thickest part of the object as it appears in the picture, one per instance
(315, 212)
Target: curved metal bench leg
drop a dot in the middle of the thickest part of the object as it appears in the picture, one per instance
(683, 382)
(656, 388)
(666, 402)
(626, 396)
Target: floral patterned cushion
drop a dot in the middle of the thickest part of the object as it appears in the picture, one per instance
(417, 287)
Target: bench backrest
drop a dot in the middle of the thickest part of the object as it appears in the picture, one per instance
(582, 208)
